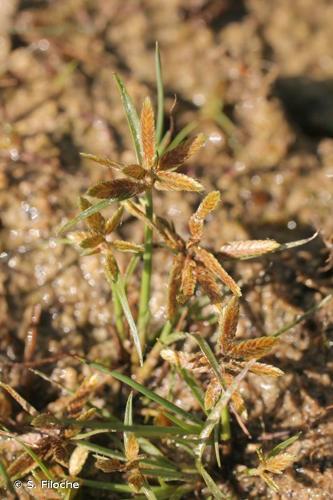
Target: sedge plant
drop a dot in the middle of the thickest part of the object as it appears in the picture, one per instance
(152, 425)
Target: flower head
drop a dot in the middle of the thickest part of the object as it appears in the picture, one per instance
(152, 171)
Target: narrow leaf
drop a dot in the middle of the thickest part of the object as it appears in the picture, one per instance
(132, 117)
(97, 207)
(160, 95)
(284, 445)
(121, 293)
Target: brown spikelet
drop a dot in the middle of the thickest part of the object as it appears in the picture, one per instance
(135, 171)
(127, 246)
(172, 181)
(96, 222)
(188, 280)
(253, 348)
(211, 263)
(177, 156)
(264, 369)
(119, 189)
(212, 393)
(106, 162)
(21, 465)
(131, 447)
(135, 479)
(81, 396)
(111, 267)
(92, 241)
(148, 133)
(250, 248)
(228, 323)
(278, 463)
(114, 221)
(210, 287)
(110, 465)
(174, 284)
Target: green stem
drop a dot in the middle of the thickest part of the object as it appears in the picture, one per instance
(225, 420)
(146, 275)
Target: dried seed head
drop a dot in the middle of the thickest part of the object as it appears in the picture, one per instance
(278, 463)
(92, 241)
(208, 204)
(105, 162)
(264, 369)
(135, 171)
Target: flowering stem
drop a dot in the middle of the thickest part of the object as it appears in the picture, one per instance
(146, 275)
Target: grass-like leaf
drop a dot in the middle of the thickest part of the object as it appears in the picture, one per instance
(6, 482)
(146, 392)
(97, 207)
(282, 446)
(205, 348)
(211, 485)
(121, 294)
(160, 95)
(132, 117)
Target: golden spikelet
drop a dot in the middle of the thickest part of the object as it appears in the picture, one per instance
(251, 349)
(174, 284)
(131, 447)
(177, 156)
(148, 133)
(250, 248)
(172, 181)
(111, 267)
(208, 204)
(264, 369)
(228, 323)
(92, 241)
(114, 221)
(215, 267)
(188, 280)
(126, 246)
(212, 393)
(118, 189)
(196, 228)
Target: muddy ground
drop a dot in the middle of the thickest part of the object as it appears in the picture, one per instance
(257, 77)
